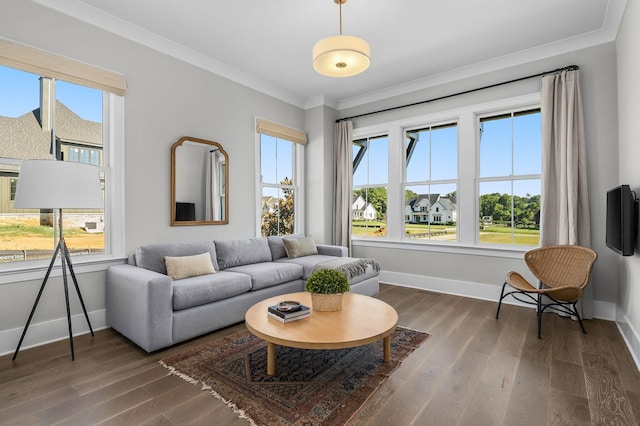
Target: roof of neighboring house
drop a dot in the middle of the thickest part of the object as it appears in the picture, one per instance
(23, 137)
(447, 202)
(269, 201)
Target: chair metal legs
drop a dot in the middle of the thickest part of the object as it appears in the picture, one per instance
(501, 297)
(564, 307)
(579, 319)
(539, 313)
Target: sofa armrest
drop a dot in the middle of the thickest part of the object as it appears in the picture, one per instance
(139, 305)
(330, 250)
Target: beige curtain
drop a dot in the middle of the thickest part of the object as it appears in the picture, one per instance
(343, 139)
(564, 216)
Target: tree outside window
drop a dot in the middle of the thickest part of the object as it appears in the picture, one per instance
(509, 180)
(278, 183)
(370, 180)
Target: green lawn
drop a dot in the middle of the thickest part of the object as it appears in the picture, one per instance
(502, 235)
(488, 235)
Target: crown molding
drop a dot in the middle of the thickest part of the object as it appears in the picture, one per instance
(607, 33)
(108, 22)
(320, 100)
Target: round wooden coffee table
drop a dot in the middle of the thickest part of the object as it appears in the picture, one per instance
(361, 321)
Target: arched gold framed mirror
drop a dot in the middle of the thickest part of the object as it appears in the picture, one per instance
(199, 183)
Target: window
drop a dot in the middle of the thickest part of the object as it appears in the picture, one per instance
(455, 180)
(509, 178)
(431, 173)
(50, 103)
(40, 118)
(280, 154)
(370, 180)
(84, 155)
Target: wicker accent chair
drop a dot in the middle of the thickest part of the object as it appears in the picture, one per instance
(563, 272)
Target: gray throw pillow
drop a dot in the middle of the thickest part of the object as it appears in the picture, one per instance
(232, 253)
(299, 247)
(277, 246)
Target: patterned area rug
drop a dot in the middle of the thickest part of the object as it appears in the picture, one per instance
(310, 387)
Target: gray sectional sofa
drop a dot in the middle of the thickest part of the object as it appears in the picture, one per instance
(155, 311)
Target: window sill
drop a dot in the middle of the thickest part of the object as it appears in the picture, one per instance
(476, 250)
(36, 269)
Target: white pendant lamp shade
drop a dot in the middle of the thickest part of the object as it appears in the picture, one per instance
(51, 184)
(341, 56)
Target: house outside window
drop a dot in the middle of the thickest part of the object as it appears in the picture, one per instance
(509, 178)
(431, 173)
(37, 115)
(280, 153)
(448, 169)
(370, 180)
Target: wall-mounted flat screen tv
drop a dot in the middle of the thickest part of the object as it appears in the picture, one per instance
(622, 219)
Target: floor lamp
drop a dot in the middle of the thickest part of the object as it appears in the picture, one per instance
(51, 184)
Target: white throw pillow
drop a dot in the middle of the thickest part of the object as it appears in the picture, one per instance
(298, 247)
(189, 266)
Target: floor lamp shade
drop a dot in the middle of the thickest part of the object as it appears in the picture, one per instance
(51, 184)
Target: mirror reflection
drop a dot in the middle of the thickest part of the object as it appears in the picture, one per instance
(199, 182)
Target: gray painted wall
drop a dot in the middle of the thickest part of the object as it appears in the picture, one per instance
(319, 125)
(166, 99)
(598, 67)
(628, 314)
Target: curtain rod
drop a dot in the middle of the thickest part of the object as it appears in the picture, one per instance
(567, 68)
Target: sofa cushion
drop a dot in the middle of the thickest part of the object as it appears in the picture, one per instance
(277, 246)
(196, 291)
(151, 256)
(308, 263)
(189, 266)
(232, 253)
(268, 274)
(299, 247)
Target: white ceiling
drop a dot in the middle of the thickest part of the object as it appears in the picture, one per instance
(266, 44)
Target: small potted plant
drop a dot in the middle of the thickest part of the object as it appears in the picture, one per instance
(327, 287)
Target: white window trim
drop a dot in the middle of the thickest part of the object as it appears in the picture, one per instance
(467, 182)
(113, 107)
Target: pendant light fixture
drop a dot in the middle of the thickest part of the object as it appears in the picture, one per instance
(341, 55)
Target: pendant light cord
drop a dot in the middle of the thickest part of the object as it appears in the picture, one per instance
(341, 17)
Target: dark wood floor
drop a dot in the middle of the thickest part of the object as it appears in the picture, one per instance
(473, 370)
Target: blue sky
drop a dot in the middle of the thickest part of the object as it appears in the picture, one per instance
(20, 93)
(435, 157)
(276, 157)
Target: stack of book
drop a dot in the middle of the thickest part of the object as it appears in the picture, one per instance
(289, 316)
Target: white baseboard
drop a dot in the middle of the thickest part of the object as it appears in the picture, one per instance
(50, 331)
(601, 310)
(630, 336)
